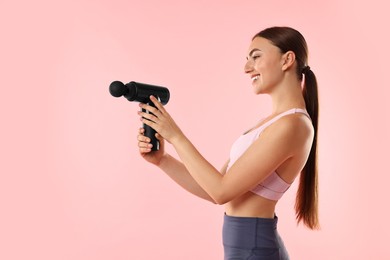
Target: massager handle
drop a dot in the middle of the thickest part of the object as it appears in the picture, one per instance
(150, 132)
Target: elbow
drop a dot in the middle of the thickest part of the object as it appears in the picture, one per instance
(219, 202)
(214, 200)
(221, 199)
(221, 195)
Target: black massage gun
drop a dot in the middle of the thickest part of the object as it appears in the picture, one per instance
(135, 91)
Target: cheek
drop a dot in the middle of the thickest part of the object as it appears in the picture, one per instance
(270, 75)
(270, 70)
(260, 67)
(264, 65)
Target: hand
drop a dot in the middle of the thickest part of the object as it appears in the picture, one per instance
(145, 146)
(160, 120)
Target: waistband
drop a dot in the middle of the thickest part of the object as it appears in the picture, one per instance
(250, 232)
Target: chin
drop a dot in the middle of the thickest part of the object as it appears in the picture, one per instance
(259, 90)
(263, 89)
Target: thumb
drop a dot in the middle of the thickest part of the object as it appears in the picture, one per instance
(160, 139)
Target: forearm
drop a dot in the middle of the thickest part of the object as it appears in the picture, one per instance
(179, 173)
(203, 173)
(207, 177)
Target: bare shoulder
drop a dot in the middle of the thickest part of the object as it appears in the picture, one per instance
(294, 130)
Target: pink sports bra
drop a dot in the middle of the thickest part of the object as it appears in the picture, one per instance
(273, 187)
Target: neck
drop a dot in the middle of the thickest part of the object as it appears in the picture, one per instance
(287, 96)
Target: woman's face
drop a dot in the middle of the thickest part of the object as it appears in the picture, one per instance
(264, 65)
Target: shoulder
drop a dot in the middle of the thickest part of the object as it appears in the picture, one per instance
(290, 131)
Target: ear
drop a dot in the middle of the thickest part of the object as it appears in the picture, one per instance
(288, 59)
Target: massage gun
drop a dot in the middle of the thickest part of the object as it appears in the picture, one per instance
(135, 91)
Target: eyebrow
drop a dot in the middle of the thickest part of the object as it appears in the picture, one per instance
(252, 51)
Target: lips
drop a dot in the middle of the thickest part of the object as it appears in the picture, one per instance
(255, 77)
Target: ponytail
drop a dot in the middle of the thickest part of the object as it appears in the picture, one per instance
(289, 39)
(306, 203)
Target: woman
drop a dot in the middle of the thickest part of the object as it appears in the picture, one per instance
(265, 160)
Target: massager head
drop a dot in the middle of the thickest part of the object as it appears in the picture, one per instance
(135, 91)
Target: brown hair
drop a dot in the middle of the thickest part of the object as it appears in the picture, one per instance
(289, 39)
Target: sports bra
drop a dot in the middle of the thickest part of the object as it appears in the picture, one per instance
(273, 187)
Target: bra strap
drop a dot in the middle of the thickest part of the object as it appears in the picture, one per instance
(290, 111)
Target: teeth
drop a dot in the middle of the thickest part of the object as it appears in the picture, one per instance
(255, 78)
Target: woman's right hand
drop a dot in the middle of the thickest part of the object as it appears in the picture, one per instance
(145, 148)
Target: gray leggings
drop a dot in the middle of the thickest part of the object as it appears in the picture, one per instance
(249, 238)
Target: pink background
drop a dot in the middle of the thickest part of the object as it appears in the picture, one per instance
(72, 183)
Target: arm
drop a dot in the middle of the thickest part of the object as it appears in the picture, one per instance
(172, 167)
(276, 144)
(179, 173)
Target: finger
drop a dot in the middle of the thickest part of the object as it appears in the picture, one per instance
(149, 108)
(145, 150)
(157, 103)
(159, 137)
(144, 145)
(148, 116)
(141, 131)
(142, 138)
(151, 124)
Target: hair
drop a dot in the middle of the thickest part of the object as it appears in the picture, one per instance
(289, 39)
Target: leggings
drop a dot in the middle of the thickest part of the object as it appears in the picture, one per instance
(250, 238)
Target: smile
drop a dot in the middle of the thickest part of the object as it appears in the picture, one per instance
(256, 77)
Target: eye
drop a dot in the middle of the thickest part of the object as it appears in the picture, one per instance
(255, 57)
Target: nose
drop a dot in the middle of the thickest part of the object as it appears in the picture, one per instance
(248, 67)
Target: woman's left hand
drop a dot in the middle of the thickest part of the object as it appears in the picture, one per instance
(160, 120)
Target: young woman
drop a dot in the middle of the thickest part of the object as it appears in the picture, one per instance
(265, 160)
